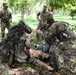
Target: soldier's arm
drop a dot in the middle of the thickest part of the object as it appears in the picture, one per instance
(0, 13)
(38, 14)
(10, 17)
(28, 29)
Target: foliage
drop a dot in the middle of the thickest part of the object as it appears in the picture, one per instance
(63, 4)
(73, 12)
(57, 4)
(19, 5)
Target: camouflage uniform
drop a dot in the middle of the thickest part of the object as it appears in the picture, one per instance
(53, 37)
(42, 29)
(57, 28)
(23, 48)
(17, 43)
(5, 16)
(42, 17)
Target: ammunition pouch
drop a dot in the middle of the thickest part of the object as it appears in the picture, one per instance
(5, 21)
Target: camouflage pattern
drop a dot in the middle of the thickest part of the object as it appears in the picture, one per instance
(17, 43)
(23, 48)
(56, 28)
(50, 16)
(56, 52)
(54, 35)
(3, 26)
(43, 16)
(42, 29)
(5, 16)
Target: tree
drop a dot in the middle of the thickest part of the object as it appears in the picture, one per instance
(72, 13)
(57, 4)
(18, 5)
(22, 5)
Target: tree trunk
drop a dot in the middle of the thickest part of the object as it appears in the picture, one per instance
(23, 10)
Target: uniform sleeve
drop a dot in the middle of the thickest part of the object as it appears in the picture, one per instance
(38, 13)
(38, 16)
(10, 15)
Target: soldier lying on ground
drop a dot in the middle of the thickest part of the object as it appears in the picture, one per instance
(43, 16)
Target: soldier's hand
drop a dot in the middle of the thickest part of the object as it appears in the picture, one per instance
(49, 68)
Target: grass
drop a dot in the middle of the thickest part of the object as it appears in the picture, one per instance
(34, 22)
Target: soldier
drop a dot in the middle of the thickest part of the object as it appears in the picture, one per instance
(50, 19)
(6, 18)
(17, 44)
(42, 18)
(53, 38)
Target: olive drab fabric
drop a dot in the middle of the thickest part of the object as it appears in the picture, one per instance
(5, 15)
(17, 42)
(53, 37)
(58, 27)
(17, 31)
(6, 18)
(43, 16)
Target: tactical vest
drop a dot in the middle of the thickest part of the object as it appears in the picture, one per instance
(5, 15)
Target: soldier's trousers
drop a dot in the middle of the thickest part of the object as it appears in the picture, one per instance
(3, 26)
(59, 55)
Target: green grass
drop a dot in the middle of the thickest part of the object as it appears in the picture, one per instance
(33, 23)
